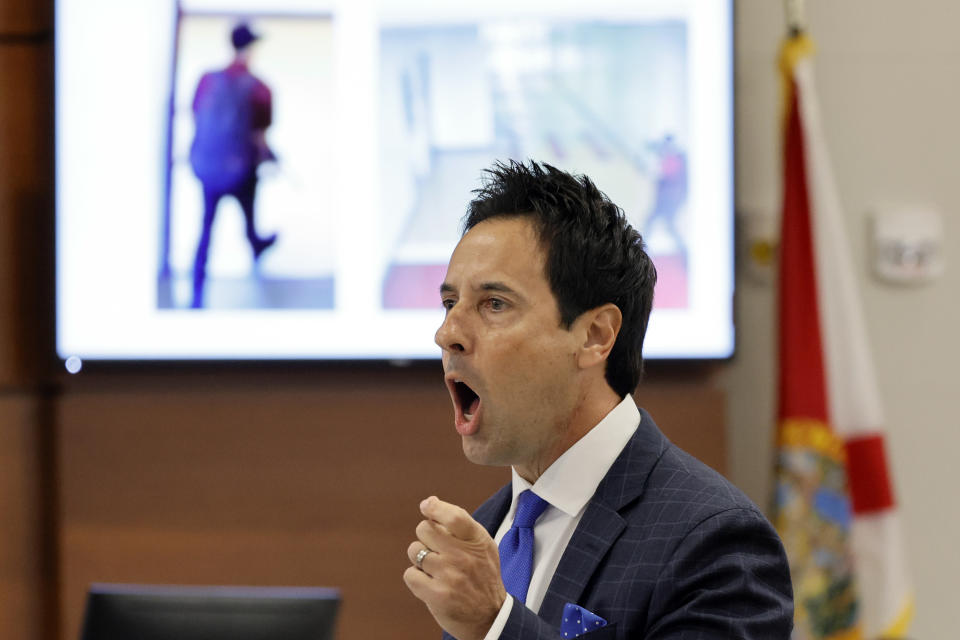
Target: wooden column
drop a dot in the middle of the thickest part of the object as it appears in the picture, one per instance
(27, 567)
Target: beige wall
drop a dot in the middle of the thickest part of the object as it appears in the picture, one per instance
(890, 99)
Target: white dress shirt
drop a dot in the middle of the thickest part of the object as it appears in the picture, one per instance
(567, 484)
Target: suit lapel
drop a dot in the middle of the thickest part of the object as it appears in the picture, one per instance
(598, 530)
(602, 523)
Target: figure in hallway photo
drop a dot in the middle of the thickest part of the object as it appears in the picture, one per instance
(232, 110)
(671, 191)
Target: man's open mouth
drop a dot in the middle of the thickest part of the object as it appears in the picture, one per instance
(468, 399)
(466, 405)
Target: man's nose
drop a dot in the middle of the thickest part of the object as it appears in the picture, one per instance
(452, 334)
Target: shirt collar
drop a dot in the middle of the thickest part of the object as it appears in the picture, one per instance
(570, 482)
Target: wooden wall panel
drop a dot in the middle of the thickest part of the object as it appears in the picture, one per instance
(307, 479)
(26, 188)
(25, 16)
(260, 481)
(21, 519)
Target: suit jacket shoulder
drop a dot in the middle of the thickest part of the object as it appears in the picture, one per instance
(644, 489)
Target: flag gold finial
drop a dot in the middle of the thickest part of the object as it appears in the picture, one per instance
(795, 48)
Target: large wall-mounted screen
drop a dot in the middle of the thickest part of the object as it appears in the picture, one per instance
(300, 200)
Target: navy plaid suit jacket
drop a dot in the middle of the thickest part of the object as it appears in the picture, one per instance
(667, 549)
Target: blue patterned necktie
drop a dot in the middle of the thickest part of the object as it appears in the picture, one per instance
(516, 547)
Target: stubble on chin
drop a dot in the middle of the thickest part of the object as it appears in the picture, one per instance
(476, 451)
(480, 450)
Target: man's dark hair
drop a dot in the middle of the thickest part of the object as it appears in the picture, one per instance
(593, 255)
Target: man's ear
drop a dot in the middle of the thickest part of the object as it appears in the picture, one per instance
(601, 325)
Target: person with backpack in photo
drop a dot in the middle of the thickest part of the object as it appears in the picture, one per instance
(232, 110)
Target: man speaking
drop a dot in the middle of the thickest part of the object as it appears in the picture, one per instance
(607, 528)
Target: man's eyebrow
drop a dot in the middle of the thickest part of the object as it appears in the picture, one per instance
(497, 286)
(485, 286)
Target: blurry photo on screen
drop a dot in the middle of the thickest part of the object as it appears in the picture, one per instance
(250, 217)
(605, 99)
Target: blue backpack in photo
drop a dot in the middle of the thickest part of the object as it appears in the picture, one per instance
(223, 154)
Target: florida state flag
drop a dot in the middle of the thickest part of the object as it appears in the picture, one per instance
(835, 507)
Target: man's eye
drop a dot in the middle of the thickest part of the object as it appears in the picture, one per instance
(448, 303)
(496, 304)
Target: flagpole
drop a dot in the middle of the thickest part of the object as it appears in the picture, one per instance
(796, 17)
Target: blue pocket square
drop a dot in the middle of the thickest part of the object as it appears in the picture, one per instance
(577, 621)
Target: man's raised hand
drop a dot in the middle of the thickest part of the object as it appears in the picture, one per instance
(459, 578)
